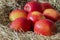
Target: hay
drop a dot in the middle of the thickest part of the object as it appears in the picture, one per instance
(7, 34)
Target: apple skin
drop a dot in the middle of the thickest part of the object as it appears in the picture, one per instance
(31, 24)
(17, 13)
(45, 27)
(35, 16)
(20, 24)
(51, 14)
(46, 5)
(33, 6)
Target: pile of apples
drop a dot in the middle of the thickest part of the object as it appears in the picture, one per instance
(39, 17)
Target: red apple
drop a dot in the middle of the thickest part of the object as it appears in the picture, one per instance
(51, 14)
(20, 24)
(33, 6)
(35, 16)
(45, 27)
(46, 5)
(17, 13)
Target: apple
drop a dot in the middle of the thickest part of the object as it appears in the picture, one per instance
(35, 16)
(17, 13)
(20, 24)
(45, 27)
(51, 14)
(46, 5)
(33, 6)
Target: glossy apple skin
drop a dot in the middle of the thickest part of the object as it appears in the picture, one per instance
(51, 14)
(35, 16)
(17, 13)
(33, 6)
(46, 5)
(45, 27)
(20, 24)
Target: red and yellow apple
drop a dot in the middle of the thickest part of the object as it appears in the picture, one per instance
(17, 13)
(33, 6)
(20, 24)
(35, 16)
(51, 14)
(45, 27)
(46, 5)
